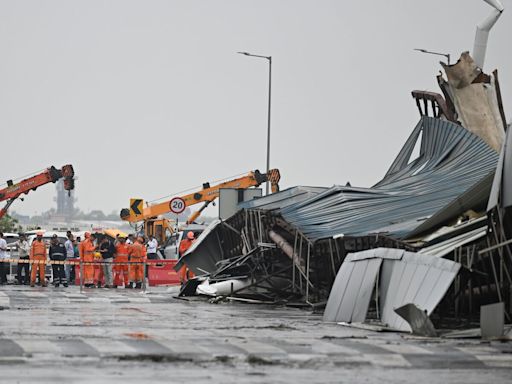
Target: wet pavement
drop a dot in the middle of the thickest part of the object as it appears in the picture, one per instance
(62, 335)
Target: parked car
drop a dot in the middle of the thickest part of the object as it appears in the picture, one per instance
(11, 238)
(170, 250)
(12, 249)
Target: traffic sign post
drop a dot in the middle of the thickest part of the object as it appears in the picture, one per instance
(177, 205)
(136, 207)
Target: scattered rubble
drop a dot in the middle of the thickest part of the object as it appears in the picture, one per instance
(422, 236)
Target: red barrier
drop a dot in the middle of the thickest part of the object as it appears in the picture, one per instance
(161, 272)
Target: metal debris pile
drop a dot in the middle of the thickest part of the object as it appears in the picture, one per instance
(437, 244)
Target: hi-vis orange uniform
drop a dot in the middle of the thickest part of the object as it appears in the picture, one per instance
(38, 252)
(137, 253)
(86, 249)
(121, 271)
(184, 273)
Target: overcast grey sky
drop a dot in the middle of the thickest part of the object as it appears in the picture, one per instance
(147, 98)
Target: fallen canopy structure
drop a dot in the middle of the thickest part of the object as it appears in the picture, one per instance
(317, 228)
(451, 161)
(432, 201)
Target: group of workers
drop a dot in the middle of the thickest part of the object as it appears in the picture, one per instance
(123, 250)
(122, 260)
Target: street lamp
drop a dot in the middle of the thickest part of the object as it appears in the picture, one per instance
(269, 58)
(447, 55)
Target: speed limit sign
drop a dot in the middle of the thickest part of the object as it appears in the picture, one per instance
(177, 205)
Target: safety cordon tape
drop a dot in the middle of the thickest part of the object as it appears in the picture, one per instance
(75, 262)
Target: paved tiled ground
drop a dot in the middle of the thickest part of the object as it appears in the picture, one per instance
(48, 334)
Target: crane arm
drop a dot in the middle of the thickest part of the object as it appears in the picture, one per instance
(197, 213)
(3, 211)
(207, 194)
(50, 175)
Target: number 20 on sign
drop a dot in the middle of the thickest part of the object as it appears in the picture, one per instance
(177, 205)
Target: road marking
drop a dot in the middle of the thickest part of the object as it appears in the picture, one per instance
(9, 348)
(183, 346)
(75, 295)
(362, 346)
(457, 360)
(220, 347)
(252, 347)
(326, 347)
(5, 301)
(389, 360)
(148, 347)
(59, 300)
(501, 361)
(139, 300)
(75, 347)
(406, 349)
(99, 299)
(35, 294)
(159, 297)
(349, 360)
(290, 346)
(306, 356)
(108, 346)
(478, 350)
(38, 346)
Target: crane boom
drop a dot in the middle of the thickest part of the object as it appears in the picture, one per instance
(50, 175)
(206, 195)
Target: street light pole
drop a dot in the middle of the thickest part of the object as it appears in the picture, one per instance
(269, 58)
(447, 55)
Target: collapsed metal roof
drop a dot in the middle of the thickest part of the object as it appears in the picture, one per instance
(405, 277)
(446, 247)
(475, 198)
(501, 194)
(451, 160)
(282, 199)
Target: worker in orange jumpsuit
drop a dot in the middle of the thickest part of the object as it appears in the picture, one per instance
(184, 273)
(87, 249)
(38, 254)
(121, 256)
(137, 253)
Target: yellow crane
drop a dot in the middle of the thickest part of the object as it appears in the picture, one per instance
(156, 226)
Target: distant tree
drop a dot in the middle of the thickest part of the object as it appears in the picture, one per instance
(96, 215)
(113, 216)
(9, 224)
(78, 214)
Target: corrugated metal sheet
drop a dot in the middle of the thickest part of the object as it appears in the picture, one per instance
(419, 279)
(405, 277)
(502, 184)
(282, 199)
(447, 232)
(354, 285)
(204, 253)
(474, 198)
(445, 247)
(451, 161)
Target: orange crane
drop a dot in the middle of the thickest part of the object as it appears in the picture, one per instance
(50, 175)
(155, 226)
